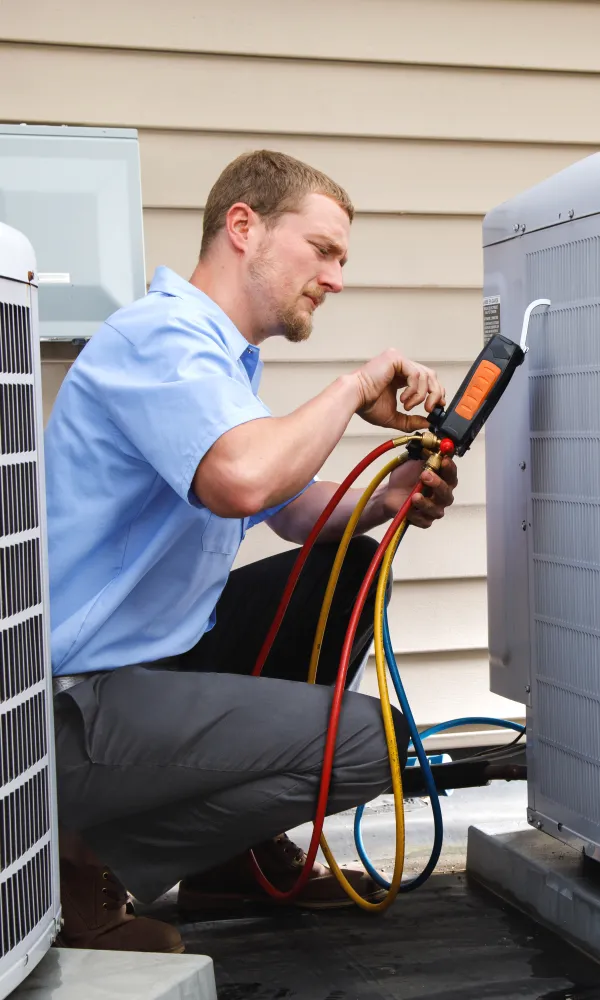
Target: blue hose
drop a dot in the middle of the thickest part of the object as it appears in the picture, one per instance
(417, 742)
(427, 775)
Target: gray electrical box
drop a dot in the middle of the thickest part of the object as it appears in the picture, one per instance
(543, 492)
(76, 194)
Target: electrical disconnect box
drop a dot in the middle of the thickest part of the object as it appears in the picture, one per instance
(76, 194)
(543, 492)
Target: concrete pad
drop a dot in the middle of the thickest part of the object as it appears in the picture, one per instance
(542, 877)
(75, 974)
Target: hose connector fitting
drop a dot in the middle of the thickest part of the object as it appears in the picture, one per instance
(430, 441)
(434, 462)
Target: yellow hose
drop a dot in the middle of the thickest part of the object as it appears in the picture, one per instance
(339, 560)
(388, 722)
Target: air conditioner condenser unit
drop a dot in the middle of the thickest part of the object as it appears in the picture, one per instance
(543, 493)
(29, 875)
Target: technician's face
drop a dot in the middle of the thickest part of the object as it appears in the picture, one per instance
(297, 262)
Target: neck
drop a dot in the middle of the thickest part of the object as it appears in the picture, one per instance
(213, 279)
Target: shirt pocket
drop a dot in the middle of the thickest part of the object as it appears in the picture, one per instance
(221, 534)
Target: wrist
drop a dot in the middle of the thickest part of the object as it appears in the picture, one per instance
(379, 509)
(351, 387)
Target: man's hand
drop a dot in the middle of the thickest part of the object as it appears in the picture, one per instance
(425, 509)
(379, 382)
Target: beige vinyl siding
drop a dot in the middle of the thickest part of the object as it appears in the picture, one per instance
(502, 33)
(430, 112)
(229, 93)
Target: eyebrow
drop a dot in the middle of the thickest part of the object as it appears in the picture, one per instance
(333, 247)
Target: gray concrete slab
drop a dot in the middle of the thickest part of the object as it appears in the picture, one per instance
(77, 974)
(544, 878)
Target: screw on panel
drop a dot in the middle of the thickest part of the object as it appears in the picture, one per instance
(571, 213)
(528, 688)
(523, 465)
(516, 227)
(30, 276)
(524, 525)
(559, 827)
(523, 227)
(539, 824)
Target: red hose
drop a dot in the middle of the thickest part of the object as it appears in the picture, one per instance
(338, 692)
(305, 552)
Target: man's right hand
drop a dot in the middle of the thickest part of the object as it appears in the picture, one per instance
(378, 383)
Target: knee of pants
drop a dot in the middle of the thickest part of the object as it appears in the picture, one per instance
(367, 724)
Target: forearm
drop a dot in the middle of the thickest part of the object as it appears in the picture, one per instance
(296, 521)
(264, 462)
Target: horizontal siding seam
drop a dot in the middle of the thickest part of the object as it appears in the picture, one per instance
(305, 59)
(301, 134)
(359, 214)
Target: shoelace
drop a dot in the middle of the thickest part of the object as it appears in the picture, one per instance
(115, 892)
(291, 850)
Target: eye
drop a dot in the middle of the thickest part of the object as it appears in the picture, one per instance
(323, 251)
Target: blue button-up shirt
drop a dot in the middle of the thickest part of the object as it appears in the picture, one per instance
(137, 563)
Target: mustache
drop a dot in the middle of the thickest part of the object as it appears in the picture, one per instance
(317, 294)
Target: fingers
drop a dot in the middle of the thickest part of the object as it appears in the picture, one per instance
(409, 424)
(378, 383)
(449, 472)
(441, 488)
(422, 386)
(427, 509)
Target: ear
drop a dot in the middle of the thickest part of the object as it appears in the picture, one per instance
(239, 223)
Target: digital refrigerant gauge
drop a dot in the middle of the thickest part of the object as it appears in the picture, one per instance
(482, 387)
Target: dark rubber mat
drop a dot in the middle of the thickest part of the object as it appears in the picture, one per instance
(449, 940)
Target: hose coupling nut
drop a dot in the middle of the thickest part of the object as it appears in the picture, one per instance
(430, 441)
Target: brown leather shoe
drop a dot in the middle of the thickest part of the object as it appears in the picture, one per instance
(281, 860)
(97, 914)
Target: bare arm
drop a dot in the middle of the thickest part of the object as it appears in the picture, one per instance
(295, 521)
(264, 462)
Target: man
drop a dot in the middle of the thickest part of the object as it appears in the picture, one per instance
(172, 760)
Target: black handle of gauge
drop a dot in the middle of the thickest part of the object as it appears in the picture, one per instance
(478, 394)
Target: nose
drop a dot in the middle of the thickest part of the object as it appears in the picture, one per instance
(331, 277)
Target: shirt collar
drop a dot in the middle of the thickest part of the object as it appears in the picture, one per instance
(169, 283)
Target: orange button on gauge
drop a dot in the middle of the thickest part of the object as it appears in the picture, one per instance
(478, 389)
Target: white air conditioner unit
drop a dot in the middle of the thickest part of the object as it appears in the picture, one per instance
(543, 493)
(29, 875)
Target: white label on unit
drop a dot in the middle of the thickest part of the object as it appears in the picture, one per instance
(491, 317)
(54, 278)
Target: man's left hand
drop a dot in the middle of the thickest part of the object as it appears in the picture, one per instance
(425, 509)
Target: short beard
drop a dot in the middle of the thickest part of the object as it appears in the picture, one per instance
(291, 324)
(294, 326)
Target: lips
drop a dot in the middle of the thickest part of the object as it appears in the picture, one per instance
(315, 302)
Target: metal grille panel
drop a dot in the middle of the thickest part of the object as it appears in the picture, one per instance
(21, 657)
(20, 582)
(17, 418)
(564, 385)
(28, 863)
(15, 339)
(18, 498)
(22, 737)
(24, 899)
(24, 818)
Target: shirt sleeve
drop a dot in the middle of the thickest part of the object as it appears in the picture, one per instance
(173, 394)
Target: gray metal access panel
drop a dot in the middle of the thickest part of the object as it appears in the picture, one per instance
(75, 193)
(543, 492)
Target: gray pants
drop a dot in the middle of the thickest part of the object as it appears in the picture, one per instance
(170, 769)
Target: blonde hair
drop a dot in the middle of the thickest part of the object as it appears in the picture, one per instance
(271, 183)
